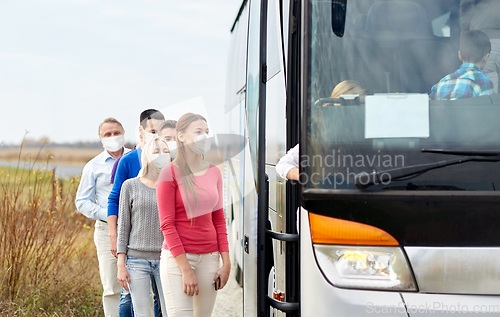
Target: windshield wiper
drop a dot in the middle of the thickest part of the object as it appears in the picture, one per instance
(459, 152)
(365, 180)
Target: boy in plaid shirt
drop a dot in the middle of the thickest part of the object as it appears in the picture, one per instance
(469, 80)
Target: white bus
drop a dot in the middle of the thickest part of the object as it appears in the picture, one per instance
(396, 212)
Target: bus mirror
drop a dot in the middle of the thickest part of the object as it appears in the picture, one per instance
(338, 17)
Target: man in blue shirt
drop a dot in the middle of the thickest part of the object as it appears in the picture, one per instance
(92, 200)
(468, 81)
(129, 167)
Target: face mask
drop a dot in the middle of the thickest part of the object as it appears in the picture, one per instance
(149, 136)
(113, 143)
(201, 144)
(160, 160)
(172, 146)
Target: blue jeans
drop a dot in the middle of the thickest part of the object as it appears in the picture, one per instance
(125, 307)
(127, 310)
(155, 298)
(141, 271)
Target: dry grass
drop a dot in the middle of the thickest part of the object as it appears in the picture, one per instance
(48, 263)
(61, 155)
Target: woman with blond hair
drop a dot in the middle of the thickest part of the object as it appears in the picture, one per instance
(348, 87)
(139, 237)
(189, 194)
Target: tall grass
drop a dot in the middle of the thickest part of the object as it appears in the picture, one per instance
(48, 264)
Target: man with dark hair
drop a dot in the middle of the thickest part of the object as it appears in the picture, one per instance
(167, 130)
(150, 114)
(92, 199)
(468, 81)
(129, 167)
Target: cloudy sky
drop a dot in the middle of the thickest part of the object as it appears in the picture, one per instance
(65, 65)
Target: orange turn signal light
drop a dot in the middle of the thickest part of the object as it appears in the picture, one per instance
(328, 230)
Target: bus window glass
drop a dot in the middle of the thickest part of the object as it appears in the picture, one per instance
(273, 40)
(252, 106)
(441, 26)
(395, 48)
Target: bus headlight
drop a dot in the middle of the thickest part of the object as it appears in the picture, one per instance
(383, 268)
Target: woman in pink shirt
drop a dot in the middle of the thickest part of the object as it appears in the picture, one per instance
(189, 194)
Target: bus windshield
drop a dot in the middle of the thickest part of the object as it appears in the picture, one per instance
(380, 112)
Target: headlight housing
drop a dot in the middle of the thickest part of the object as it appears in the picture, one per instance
(382, 268)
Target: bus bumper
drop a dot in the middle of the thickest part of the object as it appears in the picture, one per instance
(319, 298)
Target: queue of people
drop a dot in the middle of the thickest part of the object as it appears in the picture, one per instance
(160, 230)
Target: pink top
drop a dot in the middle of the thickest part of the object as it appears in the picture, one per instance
(205, 233)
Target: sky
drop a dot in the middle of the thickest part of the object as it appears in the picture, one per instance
(65, 65)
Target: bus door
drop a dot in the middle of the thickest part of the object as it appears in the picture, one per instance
(270, 239)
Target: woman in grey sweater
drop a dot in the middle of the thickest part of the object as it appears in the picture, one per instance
(139, 236)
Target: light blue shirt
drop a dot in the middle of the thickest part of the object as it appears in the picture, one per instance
(92, 195)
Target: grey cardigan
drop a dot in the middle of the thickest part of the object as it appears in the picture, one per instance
(139, 233)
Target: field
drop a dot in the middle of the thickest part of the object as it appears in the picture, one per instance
(61, 155)
(48, 262)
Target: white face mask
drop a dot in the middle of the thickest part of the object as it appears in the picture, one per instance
(172, 146)
(161, 160)
(201, 144)
(149, 136)
(113, 143)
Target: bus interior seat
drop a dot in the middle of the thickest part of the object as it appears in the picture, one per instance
(397, 16)
(353, 58)
(421, 63)
(455, 40)
(389, 23)
(349, 118)
(347, 57)
(477, 118)
(359, 22)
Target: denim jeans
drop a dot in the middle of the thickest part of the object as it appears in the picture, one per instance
(140, 272)
(127, 310)
(125, 307)
(155, 298)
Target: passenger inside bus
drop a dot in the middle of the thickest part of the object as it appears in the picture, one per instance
(483, 15)
(288, 165)
(469, 80)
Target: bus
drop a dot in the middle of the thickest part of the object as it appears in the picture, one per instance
(395, 212)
